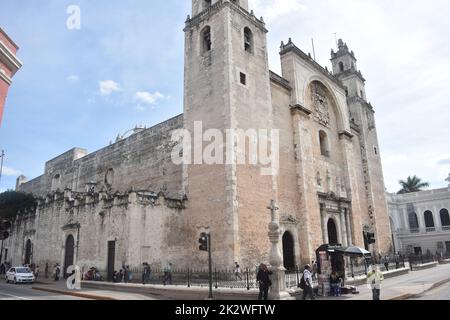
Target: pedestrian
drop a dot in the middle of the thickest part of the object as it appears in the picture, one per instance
(264, 282)
(397, 261)
(130, 274)
(146, 273)
(46, 270)
(374, 279)
(237, 271)
(386, 263)
(314, 270)
(307, 283)
(120, 276)
(335, 283)
(2, 269)
(126, 274)
(36, 272)
(168, 274)
(56, 272)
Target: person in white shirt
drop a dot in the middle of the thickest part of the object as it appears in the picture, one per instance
(374, 279)
(307, 277)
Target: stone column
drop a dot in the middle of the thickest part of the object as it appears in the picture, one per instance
(278, 289)
(349, 228)
(324, 227)
(343, 228)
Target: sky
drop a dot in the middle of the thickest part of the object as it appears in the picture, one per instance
(124, 67)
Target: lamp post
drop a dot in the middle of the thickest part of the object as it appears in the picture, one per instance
(278, 290)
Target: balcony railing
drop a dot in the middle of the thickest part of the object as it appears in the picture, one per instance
(423, 230)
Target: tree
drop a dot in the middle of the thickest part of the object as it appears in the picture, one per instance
(12, 203)
(412, 184)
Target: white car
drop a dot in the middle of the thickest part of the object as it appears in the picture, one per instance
(20, 275)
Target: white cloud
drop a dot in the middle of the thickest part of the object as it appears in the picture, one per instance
(147, 97)
(10, 172)
(140, 108)
(108, 86)
(73, 78)
(272, 9)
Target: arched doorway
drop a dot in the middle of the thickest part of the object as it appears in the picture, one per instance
(28, 251)
(288, 251)
(332, 232)
(68, 258)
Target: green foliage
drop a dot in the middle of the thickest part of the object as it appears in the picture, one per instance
(412, 184)
(12, 202)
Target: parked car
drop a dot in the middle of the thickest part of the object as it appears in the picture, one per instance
(20, 275)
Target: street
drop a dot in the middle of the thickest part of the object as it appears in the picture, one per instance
(440, 293)
(25, 292)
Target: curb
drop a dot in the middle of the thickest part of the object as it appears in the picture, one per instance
(74, 294)
(406, 296)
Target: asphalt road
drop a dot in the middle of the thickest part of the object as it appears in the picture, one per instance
(24, 292)
(440, 293)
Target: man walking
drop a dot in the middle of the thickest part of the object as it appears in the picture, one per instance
(374, 279)
(264, 282)
(308, 283)
(146, 273)
(168, 274)
(237, 271)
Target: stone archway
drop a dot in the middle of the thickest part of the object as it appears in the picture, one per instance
(69, 254)
(28, 252)
(332, 232)
(288, 251)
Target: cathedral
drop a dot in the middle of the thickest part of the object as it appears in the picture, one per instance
(130, 203)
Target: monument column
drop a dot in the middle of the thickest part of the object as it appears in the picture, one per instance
(278, 289)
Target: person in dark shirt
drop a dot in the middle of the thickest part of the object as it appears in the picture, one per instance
(264, 282)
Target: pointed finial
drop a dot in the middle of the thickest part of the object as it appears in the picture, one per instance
(262, 19)
(290, 40)
(252, 12)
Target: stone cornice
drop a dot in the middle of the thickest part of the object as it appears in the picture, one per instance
(349, 73)
(291, 47)
(299, 109)
(205, 14)
(356, 99)
(280, 80)
(9, 59)
(9, 39)
(346, 134)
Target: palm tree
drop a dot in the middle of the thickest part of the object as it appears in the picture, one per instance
(412, 184)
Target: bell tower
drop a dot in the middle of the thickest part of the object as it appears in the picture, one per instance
(226, 88)
(362, 114)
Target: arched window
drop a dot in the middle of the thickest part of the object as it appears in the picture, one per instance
(445, 219)
(56, 182)
(341, 66)
(248, 40)
(324, 149)
(429, 220)
(413, 221)
(206, 39)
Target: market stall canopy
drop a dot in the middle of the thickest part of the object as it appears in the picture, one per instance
(353, 251)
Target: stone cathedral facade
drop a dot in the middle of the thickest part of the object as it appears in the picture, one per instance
(130, 203)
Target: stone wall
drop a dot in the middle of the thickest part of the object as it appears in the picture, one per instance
(145, 226)
(142, 161)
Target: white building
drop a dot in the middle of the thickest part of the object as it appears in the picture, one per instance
(420, 221)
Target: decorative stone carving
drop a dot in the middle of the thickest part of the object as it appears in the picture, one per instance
(448, 180)
(319, 179)
(288, 218)
(321, 104)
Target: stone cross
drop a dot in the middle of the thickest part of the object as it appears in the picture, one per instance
(273, 208)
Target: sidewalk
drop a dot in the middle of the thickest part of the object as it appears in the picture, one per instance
(60, 287)
(405, 286)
